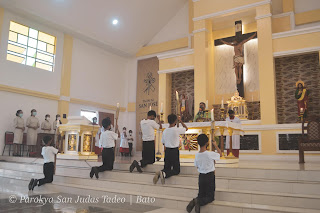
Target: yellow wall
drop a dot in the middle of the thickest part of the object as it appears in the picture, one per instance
(162, 47)
(165, 85)
(205, 7)
(176, 62)
(307, 17)
(63, 106)
(296, 42)
(1, 20)
(281, 24)
(287, 6)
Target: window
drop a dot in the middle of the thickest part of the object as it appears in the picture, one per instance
(89, 114)
(31, 47)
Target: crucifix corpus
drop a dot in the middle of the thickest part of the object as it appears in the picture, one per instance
(237, 42)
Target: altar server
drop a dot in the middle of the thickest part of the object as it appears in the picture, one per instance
(130, 142)
(204, 161)
(55, 125)
(235, 138)
(46, 125)
(49, 157)
(148, 149)
(171, 142)
(124, 145)
(32, 134)
(107, 142)
(18, 124)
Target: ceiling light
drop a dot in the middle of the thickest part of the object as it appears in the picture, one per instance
(115, 22)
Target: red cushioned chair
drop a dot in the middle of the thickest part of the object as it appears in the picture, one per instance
(8, 140)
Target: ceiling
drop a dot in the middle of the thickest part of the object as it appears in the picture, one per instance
(139, 20)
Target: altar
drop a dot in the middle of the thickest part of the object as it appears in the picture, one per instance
(78, 139)
(188, 142)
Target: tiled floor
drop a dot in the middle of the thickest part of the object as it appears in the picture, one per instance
(66, 203)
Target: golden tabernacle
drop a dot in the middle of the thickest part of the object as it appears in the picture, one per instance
(78, 138)
(239, 106)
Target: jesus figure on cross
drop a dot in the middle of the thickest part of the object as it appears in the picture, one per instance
(238, 42)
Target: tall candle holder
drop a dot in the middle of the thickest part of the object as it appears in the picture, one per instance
(161, 118)
(301, 114)
(207, 114)
(222, 116)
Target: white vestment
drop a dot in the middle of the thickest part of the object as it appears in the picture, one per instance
(235, 138)
(18, 133)
(32, 134)
(46, 126)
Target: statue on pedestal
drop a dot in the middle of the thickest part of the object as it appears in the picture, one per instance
(302, 96)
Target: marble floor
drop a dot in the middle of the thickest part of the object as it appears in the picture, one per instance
(69, 203)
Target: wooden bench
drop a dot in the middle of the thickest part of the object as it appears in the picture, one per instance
(311, 141)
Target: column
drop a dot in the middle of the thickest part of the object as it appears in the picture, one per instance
(63, 104)
(203, 62)
(165, 85)
(1, 20)
(266, 65)
(287, 6)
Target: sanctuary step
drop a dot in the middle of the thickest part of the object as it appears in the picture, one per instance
(238, 189)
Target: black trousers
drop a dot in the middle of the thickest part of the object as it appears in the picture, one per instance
(171, 162)
(207, 187)
(130, 148)
(148, 153)
(107, 159)
(48, 170)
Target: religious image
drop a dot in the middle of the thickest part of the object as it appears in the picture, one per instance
(72, 142)
(302, 96)
(87, 142)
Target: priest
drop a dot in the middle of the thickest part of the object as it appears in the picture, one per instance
(235, 138)
(201, 116)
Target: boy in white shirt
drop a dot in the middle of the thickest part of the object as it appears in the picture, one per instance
(171, 142)
(204, 161)
(130, 142)
(49, 156)
(148, 149)
(107, 139)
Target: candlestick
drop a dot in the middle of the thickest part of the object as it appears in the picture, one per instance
(177, 95)
(150, 108)
(207, 105)
(212, 115)
(222, 106)
(161, 108)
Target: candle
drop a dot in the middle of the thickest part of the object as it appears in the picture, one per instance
(222, 106)
(161, 108)
(177, 95)
(207, 104)
(118, 105)
(301, 110)
(150, 108)
(212, 115)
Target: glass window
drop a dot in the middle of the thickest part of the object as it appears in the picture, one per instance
(31, 47)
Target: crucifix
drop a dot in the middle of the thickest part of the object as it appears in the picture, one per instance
(237, 42)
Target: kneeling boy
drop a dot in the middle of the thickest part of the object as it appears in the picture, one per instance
(49, 156)
(204, 161)
(171, 142)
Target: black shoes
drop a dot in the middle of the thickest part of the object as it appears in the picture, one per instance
(137, 166)
(30, 184)
(193, 204)
(91, 172)
(34, 184)
(95, 171)
(132, 166)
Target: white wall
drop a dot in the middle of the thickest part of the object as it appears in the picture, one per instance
(11, 102)
(22, 76)
(306, 5)
(177, 27)
(97, 75)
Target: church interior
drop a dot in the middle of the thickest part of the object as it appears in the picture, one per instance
(245, 74)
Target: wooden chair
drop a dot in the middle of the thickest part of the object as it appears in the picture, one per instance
(8, 140)
(311, 141)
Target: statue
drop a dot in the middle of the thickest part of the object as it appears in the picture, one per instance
(302, 96)
(238, 59)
